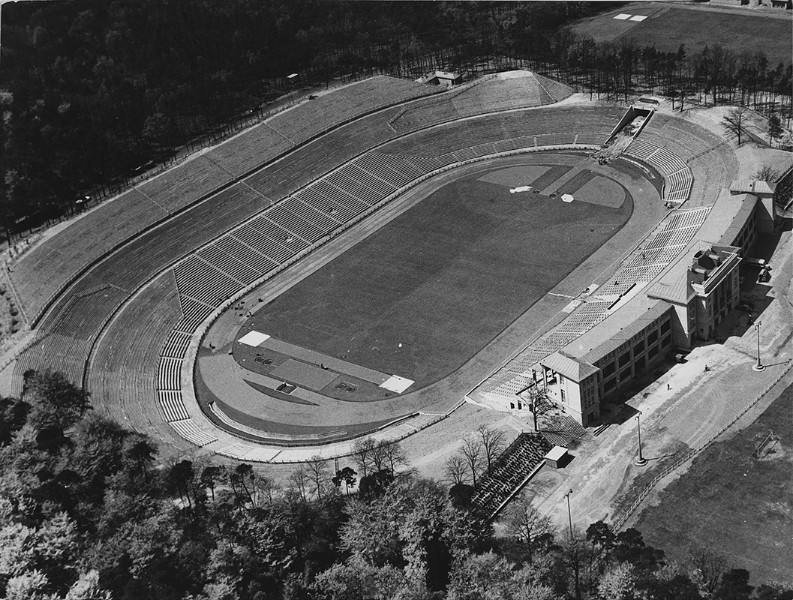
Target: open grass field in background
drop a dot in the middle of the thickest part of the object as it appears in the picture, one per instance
(733, 502)
(667, 27)
(442, 279)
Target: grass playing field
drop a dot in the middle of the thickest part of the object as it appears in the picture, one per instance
(667, 27)
(733, 502)
(426, 292)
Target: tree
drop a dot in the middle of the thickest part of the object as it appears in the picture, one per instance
(299, 479)
(525, 522)
(492, 443)
(775, 130)
(180, 477)
(13, 415)
(56, 403)
(362, 451)
(471, 451)
(709, 566)
(618, 583)
(393, 455)
(211, 475)
(318, 472)
(455, 470)
(375, 484)
(346, 476)
(734, 585)
(766, 173)
(140, 453)
(735, 123)
(241, 478)
(483, 576)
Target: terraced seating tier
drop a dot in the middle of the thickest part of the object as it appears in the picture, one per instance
(249, 150)
(191, 432)
(343, 104)
(245, 254)
(172, 405)
(193, 314)
(176, 344)
(39, 273)
(176, 188)
(169, 374)
(199, 280)
(228, 265)
(509, 471)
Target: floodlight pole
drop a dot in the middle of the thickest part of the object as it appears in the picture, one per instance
(759, 366)
(569, 514)
(640, 460)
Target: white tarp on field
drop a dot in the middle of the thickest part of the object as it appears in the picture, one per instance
(397, 384)
(520, 188)
(253, 338)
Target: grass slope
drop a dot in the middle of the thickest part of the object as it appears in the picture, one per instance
(734, 503)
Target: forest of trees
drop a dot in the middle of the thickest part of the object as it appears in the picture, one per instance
(92, 91)
(89, 512)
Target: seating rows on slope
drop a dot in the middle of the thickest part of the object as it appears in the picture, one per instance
(123, 377)
(204, 222)
(205, 284)
(42, 272)
(509, 471)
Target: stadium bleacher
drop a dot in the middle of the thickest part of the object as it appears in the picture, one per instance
(509, 471)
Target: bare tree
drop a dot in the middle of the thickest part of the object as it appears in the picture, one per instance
(318, 471)
(263, 491)
(766, 173)
(471, 452)
(735, 123)
(393, 455)
(456, 470)
(299, 480)
(362, 451)
(526, 523)
(492, 443)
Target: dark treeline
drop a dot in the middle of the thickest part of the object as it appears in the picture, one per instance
(91, 92)
(89, 512)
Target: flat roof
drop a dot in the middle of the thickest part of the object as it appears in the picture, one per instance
(556, 453)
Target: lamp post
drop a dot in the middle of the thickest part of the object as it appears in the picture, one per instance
(640, 460)
(759, 366)
(569, 514)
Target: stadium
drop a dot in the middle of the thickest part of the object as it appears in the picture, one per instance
(367, 261)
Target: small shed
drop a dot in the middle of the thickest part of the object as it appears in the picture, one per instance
(557, 457)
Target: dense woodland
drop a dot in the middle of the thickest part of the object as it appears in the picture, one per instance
(89, 512)
(94, 92)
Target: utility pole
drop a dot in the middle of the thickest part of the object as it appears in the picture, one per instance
(569, 514)
(640, 460)
(759, 366)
